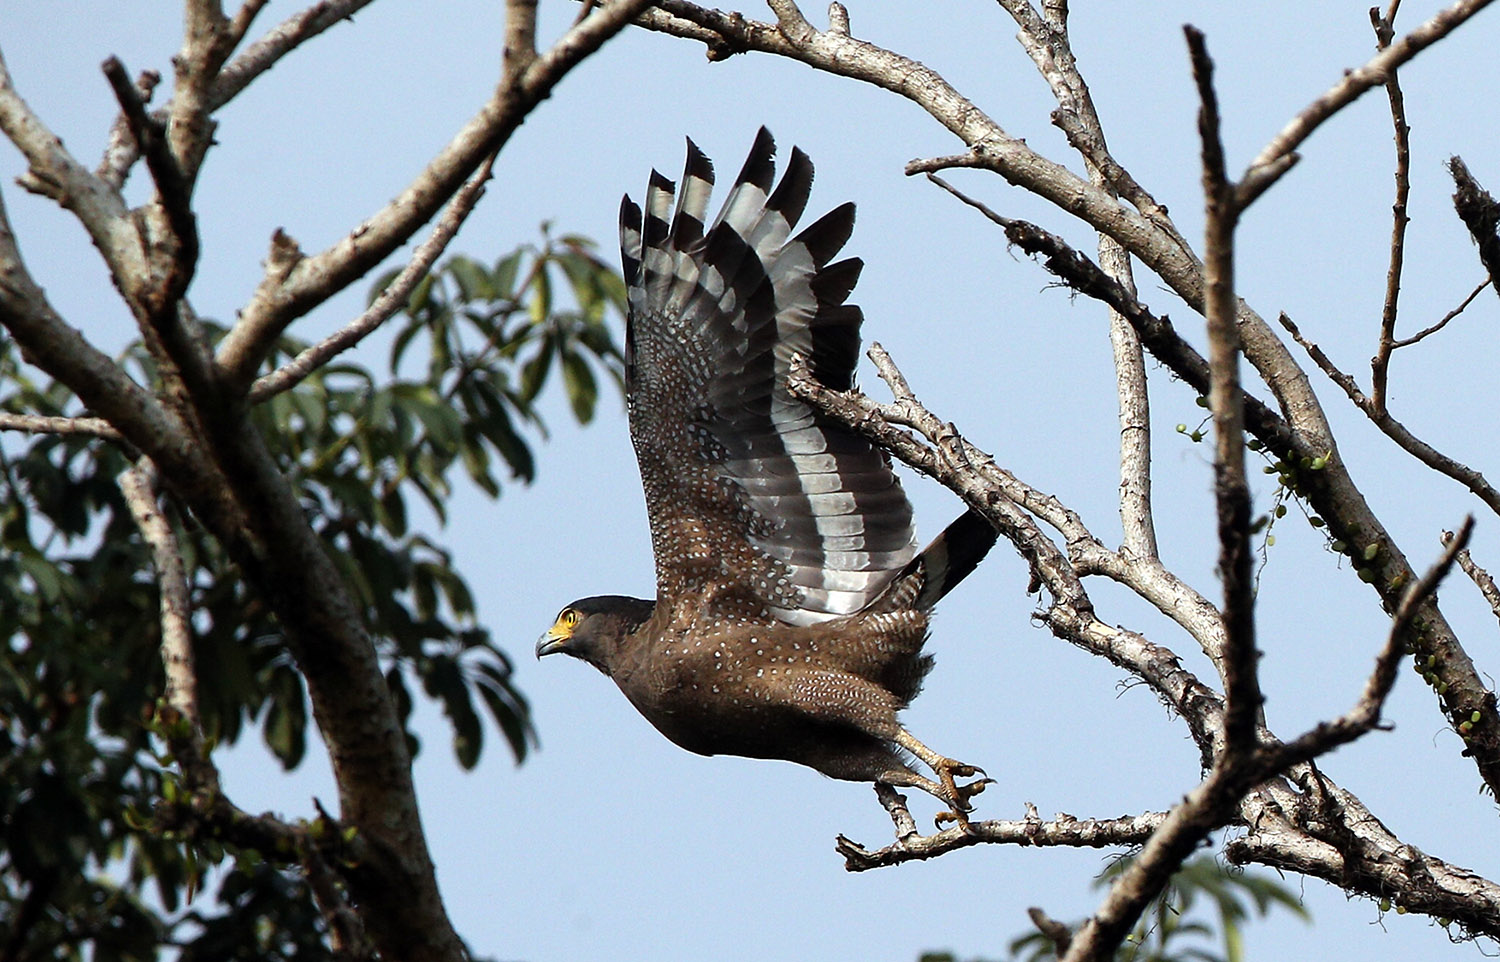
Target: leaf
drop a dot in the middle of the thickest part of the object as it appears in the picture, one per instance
(391, 511)
(446, 682)
(45, 577)
(420, 299)
(403, 340)
(583, 392)
(505, 272)
(286, 718)
(507, 707)
(381, 283)
(540, 306)
(534, 371)
(474, 282)
(583, 276)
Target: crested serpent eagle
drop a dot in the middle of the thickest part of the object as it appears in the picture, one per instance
(791, 601)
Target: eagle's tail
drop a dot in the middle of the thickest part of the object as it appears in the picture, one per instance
(952, 556)
(941, 565)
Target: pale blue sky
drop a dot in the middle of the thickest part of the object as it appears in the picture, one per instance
(611, 842)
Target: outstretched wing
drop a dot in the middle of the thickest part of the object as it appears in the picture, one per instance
(759, 506)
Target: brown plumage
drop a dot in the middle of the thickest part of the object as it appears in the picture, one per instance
(792, 604)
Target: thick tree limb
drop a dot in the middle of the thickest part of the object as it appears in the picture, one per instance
(1231, 488)
(179, 715)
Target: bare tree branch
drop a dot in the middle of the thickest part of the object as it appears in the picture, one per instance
(1317, 474)
(1046, 41)
(1231, 488)
(279, 41)
(1354, 84)
(55, 174)
(291, 289)
(1216, 800)
(390, 300)
(1056, 932)
(1065, 830)
(1474, 480)
(40, 424)
(520, 38)
(1324, 831)
(1385, 32)
(1443, 322)
(56, 347)
(1365, 715)
(1478, 575)
(180, 716)
(122, 151)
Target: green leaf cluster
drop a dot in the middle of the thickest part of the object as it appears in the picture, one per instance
(81, 675)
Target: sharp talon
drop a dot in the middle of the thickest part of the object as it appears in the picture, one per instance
(973, 788)
(960, 817)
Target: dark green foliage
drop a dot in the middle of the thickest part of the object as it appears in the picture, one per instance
(1173, 928)
(80, 673)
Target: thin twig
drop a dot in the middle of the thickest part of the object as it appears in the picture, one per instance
(1365, 715)
(1478, 575)
(1385, 31)
(1354, 84)
(1065, 830)
(387, 303)
(1407, 341)
(122, 151)
(1474, 480)
(276, 43)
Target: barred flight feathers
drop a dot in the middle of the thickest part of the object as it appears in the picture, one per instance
(804, 514)
(791, 602)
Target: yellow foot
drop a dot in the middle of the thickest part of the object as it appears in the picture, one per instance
(958, 795)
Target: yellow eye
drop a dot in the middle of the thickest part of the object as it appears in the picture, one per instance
(570, 618)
